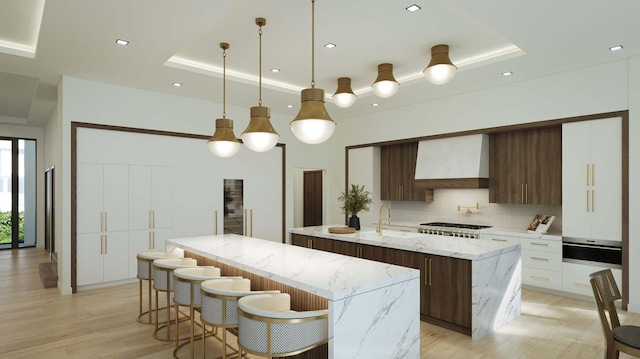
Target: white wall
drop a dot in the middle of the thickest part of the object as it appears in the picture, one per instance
(101, 103)
(36, 133)
(608, 87)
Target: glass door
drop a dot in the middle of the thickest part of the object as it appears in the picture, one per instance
(17, 193)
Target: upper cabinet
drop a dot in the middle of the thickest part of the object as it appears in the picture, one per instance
(397, 174)
(592, 179)
(525, 167)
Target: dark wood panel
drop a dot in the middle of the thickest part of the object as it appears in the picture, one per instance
(544, 166)
(397, 174)
(453, 183)
(371, 252)
(312, 198)
(507, 160)
(450, 290)
(345, 248)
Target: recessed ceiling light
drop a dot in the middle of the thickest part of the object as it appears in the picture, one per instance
(330, 45)
(275, 70)
(176, 84)
(375, 104)
(122, 42)
(289, 106)
(413, 8)
(507, 73)
(616, 48)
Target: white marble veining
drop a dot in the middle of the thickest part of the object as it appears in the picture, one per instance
(374, 308)
(521, 233)
(463, 248)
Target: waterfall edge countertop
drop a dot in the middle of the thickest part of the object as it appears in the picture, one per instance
(456, 247)
(329, 275)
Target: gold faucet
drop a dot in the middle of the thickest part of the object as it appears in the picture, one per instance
(382, 220)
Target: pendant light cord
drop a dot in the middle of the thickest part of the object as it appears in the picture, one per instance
(224, 83)
(313, 45)
(260, 64)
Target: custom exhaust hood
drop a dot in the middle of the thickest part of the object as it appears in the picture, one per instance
(453, 162)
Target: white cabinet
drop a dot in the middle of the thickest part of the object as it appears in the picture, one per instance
(264, 206)
(197, 199)
(592, 179)
(102, 223)
(576, 278)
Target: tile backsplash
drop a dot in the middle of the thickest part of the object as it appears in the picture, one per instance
(444, 208)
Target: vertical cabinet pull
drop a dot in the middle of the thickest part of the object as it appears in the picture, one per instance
(102, 244)
(150, 226)
(153, 240)
(588, 181)
(593, 174)
(215, 214)
(522, 193)
(526, 193)
(587, 200)
(426, 271)
(244, 219)
(251, 223)
(593, 200)
(430, 270)
(101, 224)
(150, 243)
(106, 243)
(153, 219)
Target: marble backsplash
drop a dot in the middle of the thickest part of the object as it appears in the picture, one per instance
(444, 208)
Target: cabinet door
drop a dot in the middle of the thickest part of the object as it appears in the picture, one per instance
(159, 236)
(450, 290)
(197, 195)
(89, 194)
(371, 252)
(299, 240)
(507, 159)
(544, 166)
(116, 256)
(162, 197)
(575, 173)
(408, 172)
(139, 241)
(345, 248)
(263, 198)
(139, 197)
(89, 258)
(606, 153)
(322, 244)
(391, 179)
(116, 197)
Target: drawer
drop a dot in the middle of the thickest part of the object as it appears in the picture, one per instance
(542, 278)
(500, 238)
(541, 245)
(576, 278)
(542, 260)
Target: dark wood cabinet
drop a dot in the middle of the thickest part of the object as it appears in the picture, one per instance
(397, 174)
(322, 244)
(525, 167)
(364, 251)
(445, 288)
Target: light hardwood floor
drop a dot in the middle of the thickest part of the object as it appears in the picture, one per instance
(101, 323)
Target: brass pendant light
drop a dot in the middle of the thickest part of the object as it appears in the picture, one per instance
(344, 96)
(313, 124)
(385, 84)
(260, 136)
(224, 143)
(440, 69)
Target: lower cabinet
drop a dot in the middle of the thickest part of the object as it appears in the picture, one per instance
(575, 278)
(103, 255)
(445, 282)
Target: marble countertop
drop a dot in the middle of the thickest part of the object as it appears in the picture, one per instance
(464, 248)
(329, 275)
(521, 233)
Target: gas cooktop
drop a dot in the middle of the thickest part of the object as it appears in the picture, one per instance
(455, 225)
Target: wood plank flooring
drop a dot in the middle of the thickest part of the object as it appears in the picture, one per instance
(101, 323)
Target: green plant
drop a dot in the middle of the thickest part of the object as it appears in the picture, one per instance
(5, 227)
(356, 200)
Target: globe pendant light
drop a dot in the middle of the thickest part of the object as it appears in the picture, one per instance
(313, 124)
(385, 84)
(344, 96)
(440, 70)
(224, 143)
(260, 135)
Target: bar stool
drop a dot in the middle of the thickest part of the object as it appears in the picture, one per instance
(145, 272)
(220, 305)
(187, 294)
(268, 327)
(163, 282)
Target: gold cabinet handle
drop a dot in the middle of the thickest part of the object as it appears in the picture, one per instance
(522, 193)
(430, 270)
(588, 181)
(582, 285)
(402, 191)
(150, 244)
(587, 200)
(540, 259)
(106, 243)
(426, 271)
(102, 244)
(593, 200)
(153, 240)
(309, 243)
(149, 224)
(526, 193)
(542, 279)
(593, 174)
(153, 219)
(101, 224)
(215, 214)
(498, 240)
(244, 219)
(540, 244)
(251, 223)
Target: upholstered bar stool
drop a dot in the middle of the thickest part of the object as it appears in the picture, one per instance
(220, 305)
(145, 272)
(268, 327)
(187, 294)
(163, 282)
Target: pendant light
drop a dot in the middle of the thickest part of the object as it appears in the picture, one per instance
(224, 143)
(344, 96)
(260, 135)
(385, 84)
(440, 70)
(313, 124)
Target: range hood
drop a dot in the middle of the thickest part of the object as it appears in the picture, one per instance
(453, 162)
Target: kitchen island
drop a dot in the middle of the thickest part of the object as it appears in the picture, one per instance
(373, 306)
(468, 285)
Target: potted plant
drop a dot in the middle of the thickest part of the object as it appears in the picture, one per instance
(356, 200)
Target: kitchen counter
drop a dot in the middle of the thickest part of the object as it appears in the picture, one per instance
(554, 236)
(373, 307)
(463, 248)
(495, 278)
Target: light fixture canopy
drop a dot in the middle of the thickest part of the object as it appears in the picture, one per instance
(440, 69)
(385, 84)
(313, 124)
(344, 96)
(224, 143)
(260, 136)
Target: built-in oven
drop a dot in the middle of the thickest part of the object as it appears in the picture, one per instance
(602, 253)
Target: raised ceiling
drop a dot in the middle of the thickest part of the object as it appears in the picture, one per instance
(178, 41)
